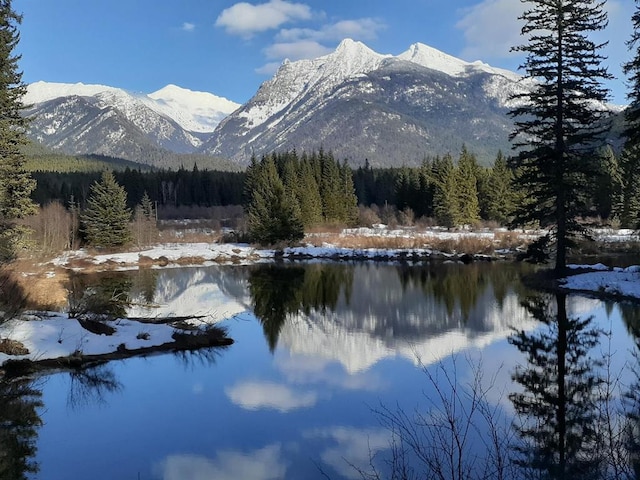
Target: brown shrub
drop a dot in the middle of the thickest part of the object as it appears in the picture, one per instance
(51, 228)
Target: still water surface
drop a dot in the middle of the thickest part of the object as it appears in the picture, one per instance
(320, 350)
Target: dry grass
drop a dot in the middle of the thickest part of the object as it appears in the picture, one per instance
(189, 236)
(472, 244)
(357, 241)
(12, 347)
(34, 285)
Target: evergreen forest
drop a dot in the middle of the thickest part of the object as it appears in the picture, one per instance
(448, 191)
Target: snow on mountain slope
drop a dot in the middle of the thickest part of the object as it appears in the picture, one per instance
(362, 104)
(320, 75)
(429, 57)
(40, 92)
(194, 111)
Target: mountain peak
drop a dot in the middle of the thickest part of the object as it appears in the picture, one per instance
(355, 50)
(349, 44)
(434, 59)
(192, 99)
(430, 57)
(39, 92)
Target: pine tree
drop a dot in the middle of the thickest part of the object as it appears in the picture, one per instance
(630, 161)
(629, 212)
(105, 221)
(632, 70)
(609, 190)
(467, 188)
(144, 225)
(556, 123)
(499, 195)
(445, 195)
(16, 184)
(272, 216)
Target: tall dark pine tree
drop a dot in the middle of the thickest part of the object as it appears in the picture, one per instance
(16, 184)
(556, 123)
(632, 70)
(631, 157)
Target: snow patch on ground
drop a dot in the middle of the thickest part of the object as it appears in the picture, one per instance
(619, 281)
(57, 335)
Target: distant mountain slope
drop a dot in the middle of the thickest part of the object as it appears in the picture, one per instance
(364, 105)
(361, 105)
(97, 119)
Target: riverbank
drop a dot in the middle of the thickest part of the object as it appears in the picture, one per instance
(55, 340)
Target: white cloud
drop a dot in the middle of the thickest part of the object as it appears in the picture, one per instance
(245, 19)
(307, 43)
(491, 28)
(266, 395)
(263, 464)
(296, 50)
(188, 27)
(359, 29)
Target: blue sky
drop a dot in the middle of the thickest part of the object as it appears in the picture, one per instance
(229, 48)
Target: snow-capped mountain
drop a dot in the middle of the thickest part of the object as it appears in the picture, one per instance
(80, 119)
(388, 109)
(194, 111)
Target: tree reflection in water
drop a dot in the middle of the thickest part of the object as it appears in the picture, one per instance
(558, 408)
(461, 286)
(20, 400)
(631, 439)
(90, 386)
(278, 292)
(108, 295)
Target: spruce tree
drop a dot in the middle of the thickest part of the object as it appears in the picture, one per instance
(16, 183)
(630, 161)
(445, 195)
(348, 195)
(308, 193)
(105, 222)
(556, 122)
(632, 70)
(272, 216)
(467, 188)
(499, 195)
(609, 185)
(330, 188)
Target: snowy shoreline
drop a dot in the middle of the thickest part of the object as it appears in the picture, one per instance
(57, 337)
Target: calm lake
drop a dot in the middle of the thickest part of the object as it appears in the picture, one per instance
(328, 361)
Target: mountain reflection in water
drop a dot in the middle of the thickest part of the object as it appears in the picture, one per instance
(321, 350)
(360, 315)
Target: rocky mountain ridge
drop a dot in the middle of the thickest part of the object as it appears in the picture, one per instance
(366, 106)
(360, 104)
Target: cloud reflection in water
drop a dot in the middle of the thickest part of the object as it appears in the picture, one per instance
(268, 395)
(263, 464)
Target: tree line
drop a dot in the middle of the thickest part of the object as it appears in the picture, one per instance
(181, 187)
(316, 189)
